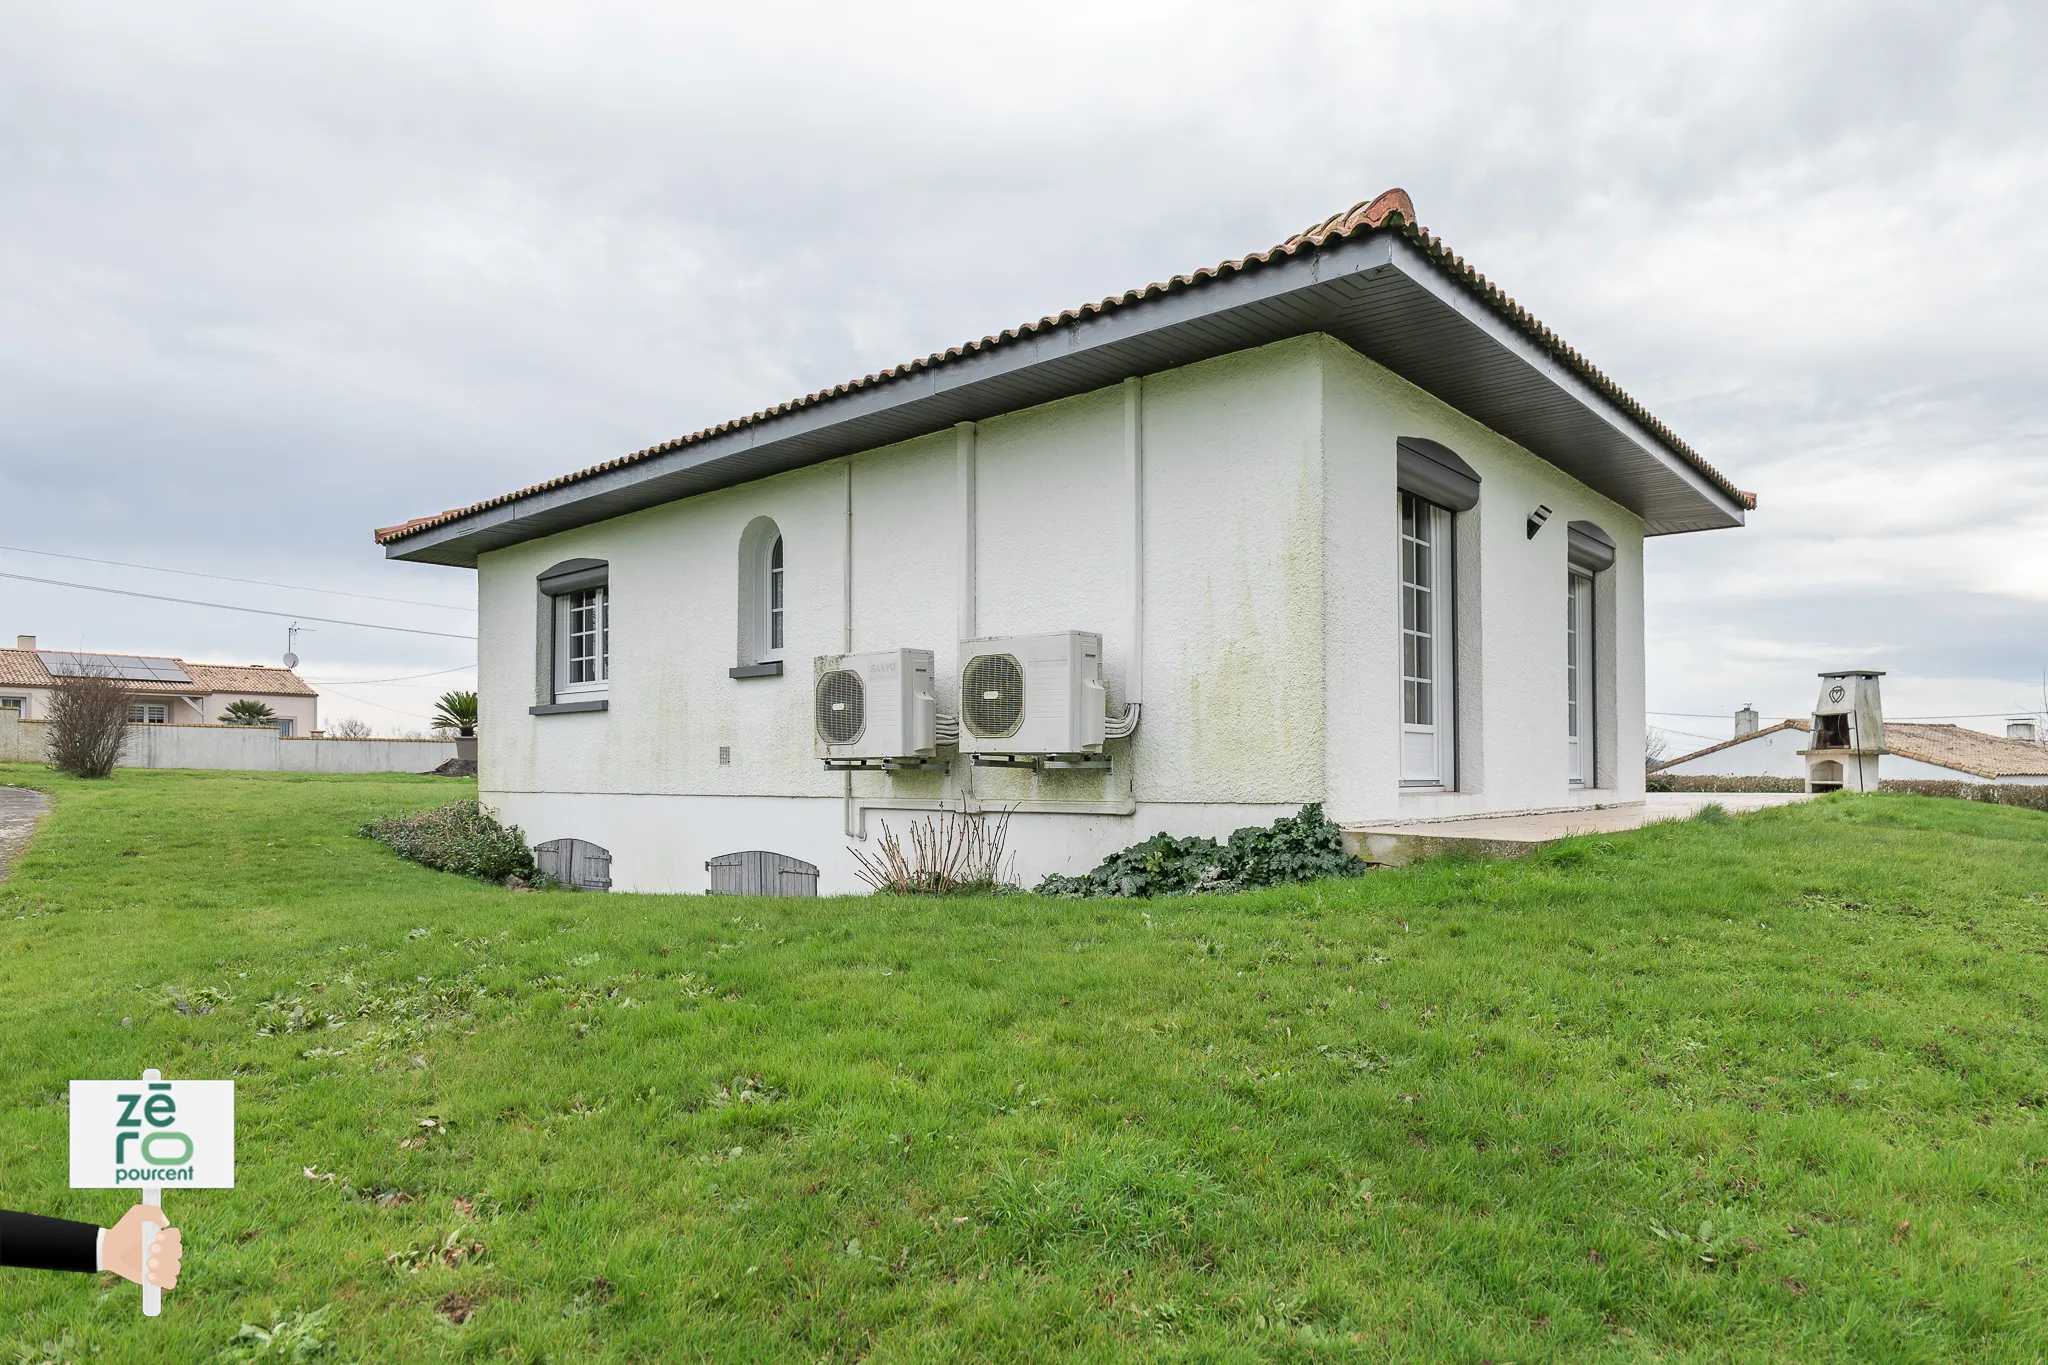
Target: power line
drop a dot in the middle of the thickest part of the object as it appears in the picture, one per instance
(226, 606)
(410, 677)
(228, 578)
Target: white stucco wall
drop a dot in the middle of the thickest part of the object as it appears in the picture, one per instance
(1510, 608)
(1271, 627)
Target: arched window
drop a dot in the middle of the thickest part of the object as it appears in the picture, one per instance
(775, 599)
(763, 601)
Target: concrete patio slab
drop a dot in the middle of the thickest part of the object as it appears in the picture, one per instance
(1511, 836)
(21, 810)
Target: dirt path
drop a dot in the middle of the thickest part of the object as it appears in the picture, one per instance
(21, 810)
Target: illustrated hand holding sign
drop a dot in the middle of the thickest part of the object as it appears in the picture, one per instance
(144, 1135)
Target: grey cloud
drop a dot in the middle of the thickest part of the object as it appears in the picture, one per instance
(270, 277)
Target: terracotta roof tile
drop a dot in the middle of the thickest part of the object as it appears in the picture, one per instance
(1391, 211)
(1970, 751)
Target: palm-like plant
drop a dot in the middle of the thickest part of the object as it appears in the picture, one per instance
(456, 711)
(248, 711)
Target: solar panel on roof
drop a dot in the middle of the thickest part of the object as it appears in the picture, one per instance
(124, 667)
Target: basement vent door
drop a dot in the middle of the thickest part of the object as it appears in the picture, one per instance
(575, 863)
(758, 872)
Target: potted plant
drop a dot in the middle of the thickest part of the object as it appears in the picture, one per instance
(457, 711)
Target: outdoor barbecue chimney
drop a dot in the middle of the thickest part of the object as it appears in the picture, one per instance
(2022, 728)
(1848, 732)
(1745, 720)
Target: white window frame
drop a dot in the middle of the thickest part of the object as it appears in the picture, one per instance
(1580, 681)
(772, 595)
(1428, 645)
(18, 705)
(572, 678)
(140, 713)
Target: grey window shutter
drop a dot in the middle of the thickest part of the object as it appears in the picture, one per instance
(1588, 547)
(574, 575)
(1434, 472)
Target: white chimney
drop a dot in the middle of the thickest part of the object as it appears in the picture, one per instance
(24, 642)
(1848, 732)
(1745, 721)
(2021, 728)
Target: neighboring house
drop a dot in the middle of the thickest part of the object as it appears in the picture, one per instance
(1339, 522)
(1912, 753)
(161, 691)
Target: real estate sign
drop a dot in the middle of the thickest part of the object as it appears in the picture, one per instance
(128, 1134)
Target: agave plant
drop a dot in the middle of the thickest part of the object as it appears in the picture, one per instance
(456, 711)
(248, 711)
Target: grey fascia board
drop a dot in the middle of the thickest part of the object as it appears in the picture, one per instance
(1412, 263)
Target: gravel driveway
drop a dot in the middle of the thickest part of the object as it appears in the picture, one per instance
(21, 810)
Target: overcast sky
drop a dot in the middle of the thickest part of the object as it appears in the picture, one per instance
(272, 276)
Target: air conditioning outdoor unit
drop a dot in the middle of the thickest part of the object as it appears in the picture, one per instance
(875, 708)
(1032, 694)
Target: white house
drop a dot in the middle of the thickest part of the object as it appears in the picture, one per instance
(1338, 522)
(161, 691)
(1911, 753)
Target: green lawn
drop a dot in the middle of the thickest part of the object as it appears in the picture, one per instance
(1440, 1113)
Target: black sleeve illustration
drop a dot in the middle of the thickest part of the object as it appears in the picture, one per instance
(33, 1242)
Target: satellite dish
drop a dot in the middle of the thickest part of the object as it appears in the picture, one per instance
(291, 660)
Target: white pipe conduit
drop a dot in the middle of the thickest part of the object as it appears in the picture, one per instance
(1125, 725)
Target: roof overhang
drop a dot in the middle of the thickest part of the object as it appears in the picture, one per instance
(1378, 293)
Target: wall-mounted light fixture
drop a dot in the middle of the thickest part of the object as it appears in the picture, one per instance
(1536, 520)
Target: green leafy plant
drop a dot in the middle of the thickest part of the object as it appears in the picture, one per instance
(461, 837)
(456, 711)
(1296, 848)
(1712, 1247)
(248, 711)
(297, 1338)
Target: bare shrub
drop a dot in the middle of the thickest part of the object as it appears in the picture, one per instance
(88, 721)
(950, 852)
(348, 727)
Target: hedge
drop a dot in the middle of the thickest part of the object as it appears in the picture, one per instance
(1692, 782)
(1995, 793)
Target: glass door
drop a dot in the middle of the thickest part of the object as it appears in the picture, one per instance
(1578, 678)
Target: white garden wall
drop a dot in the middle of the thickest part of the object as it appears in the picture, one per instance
(245, 748)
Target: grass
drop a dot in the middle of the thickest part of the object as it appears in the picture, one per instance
(1760, 1088)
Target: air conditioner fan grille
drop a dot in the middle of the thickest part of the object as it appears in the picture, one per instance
(992, 696)
(842, 706)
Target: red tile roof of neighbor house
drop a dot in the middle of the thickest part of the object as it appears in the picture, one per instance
(1391, 211)
(24, 668)
(1945, 746)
